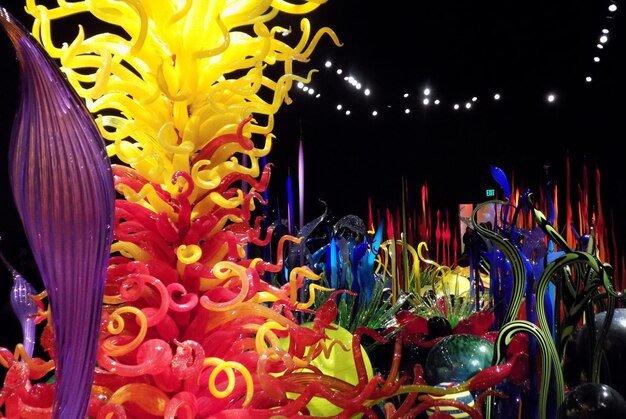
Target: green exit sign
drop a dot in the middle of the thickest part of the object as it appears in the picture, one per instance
(490, 192)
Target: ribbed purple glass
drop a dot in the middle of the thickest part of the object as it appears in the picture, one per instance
(62, 184)
(23, 307)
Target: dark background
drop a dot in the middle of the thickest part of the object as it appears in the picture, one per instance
(523, 50)
(460, 49)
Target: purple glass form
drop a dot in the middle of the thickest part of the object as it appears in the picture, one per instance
(63, 189)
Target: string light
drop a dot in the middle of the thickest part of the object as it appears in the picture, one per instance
(427, 92)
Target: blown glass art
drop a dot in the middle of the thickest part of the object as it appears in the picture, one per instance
(137, 165)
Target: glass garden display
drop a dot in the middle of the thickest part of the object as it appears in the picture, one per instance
(137, 165)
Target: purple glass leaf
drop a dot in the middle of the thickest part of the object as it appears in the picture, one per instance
(62, 184)
(24, 308)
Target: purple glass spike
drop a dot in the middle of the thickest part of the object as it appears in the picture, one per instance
(62, 184)
(24, 308)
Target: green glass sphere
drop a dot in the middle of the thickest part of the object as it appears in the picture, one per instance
(457, 358)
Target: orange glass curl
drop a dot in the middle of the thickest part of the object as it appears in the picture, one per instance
(120, 341)
(184, 405)
(37, 367)
(153, 355)
(149, 398)
(179, 299)
(133, 288)
(237, 279)
(227, 367)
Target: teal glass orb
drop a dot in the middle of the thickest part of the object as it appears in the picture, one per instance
(457, 358)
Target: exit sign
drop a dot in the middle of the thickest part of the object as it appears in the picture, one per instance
(490, 192)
